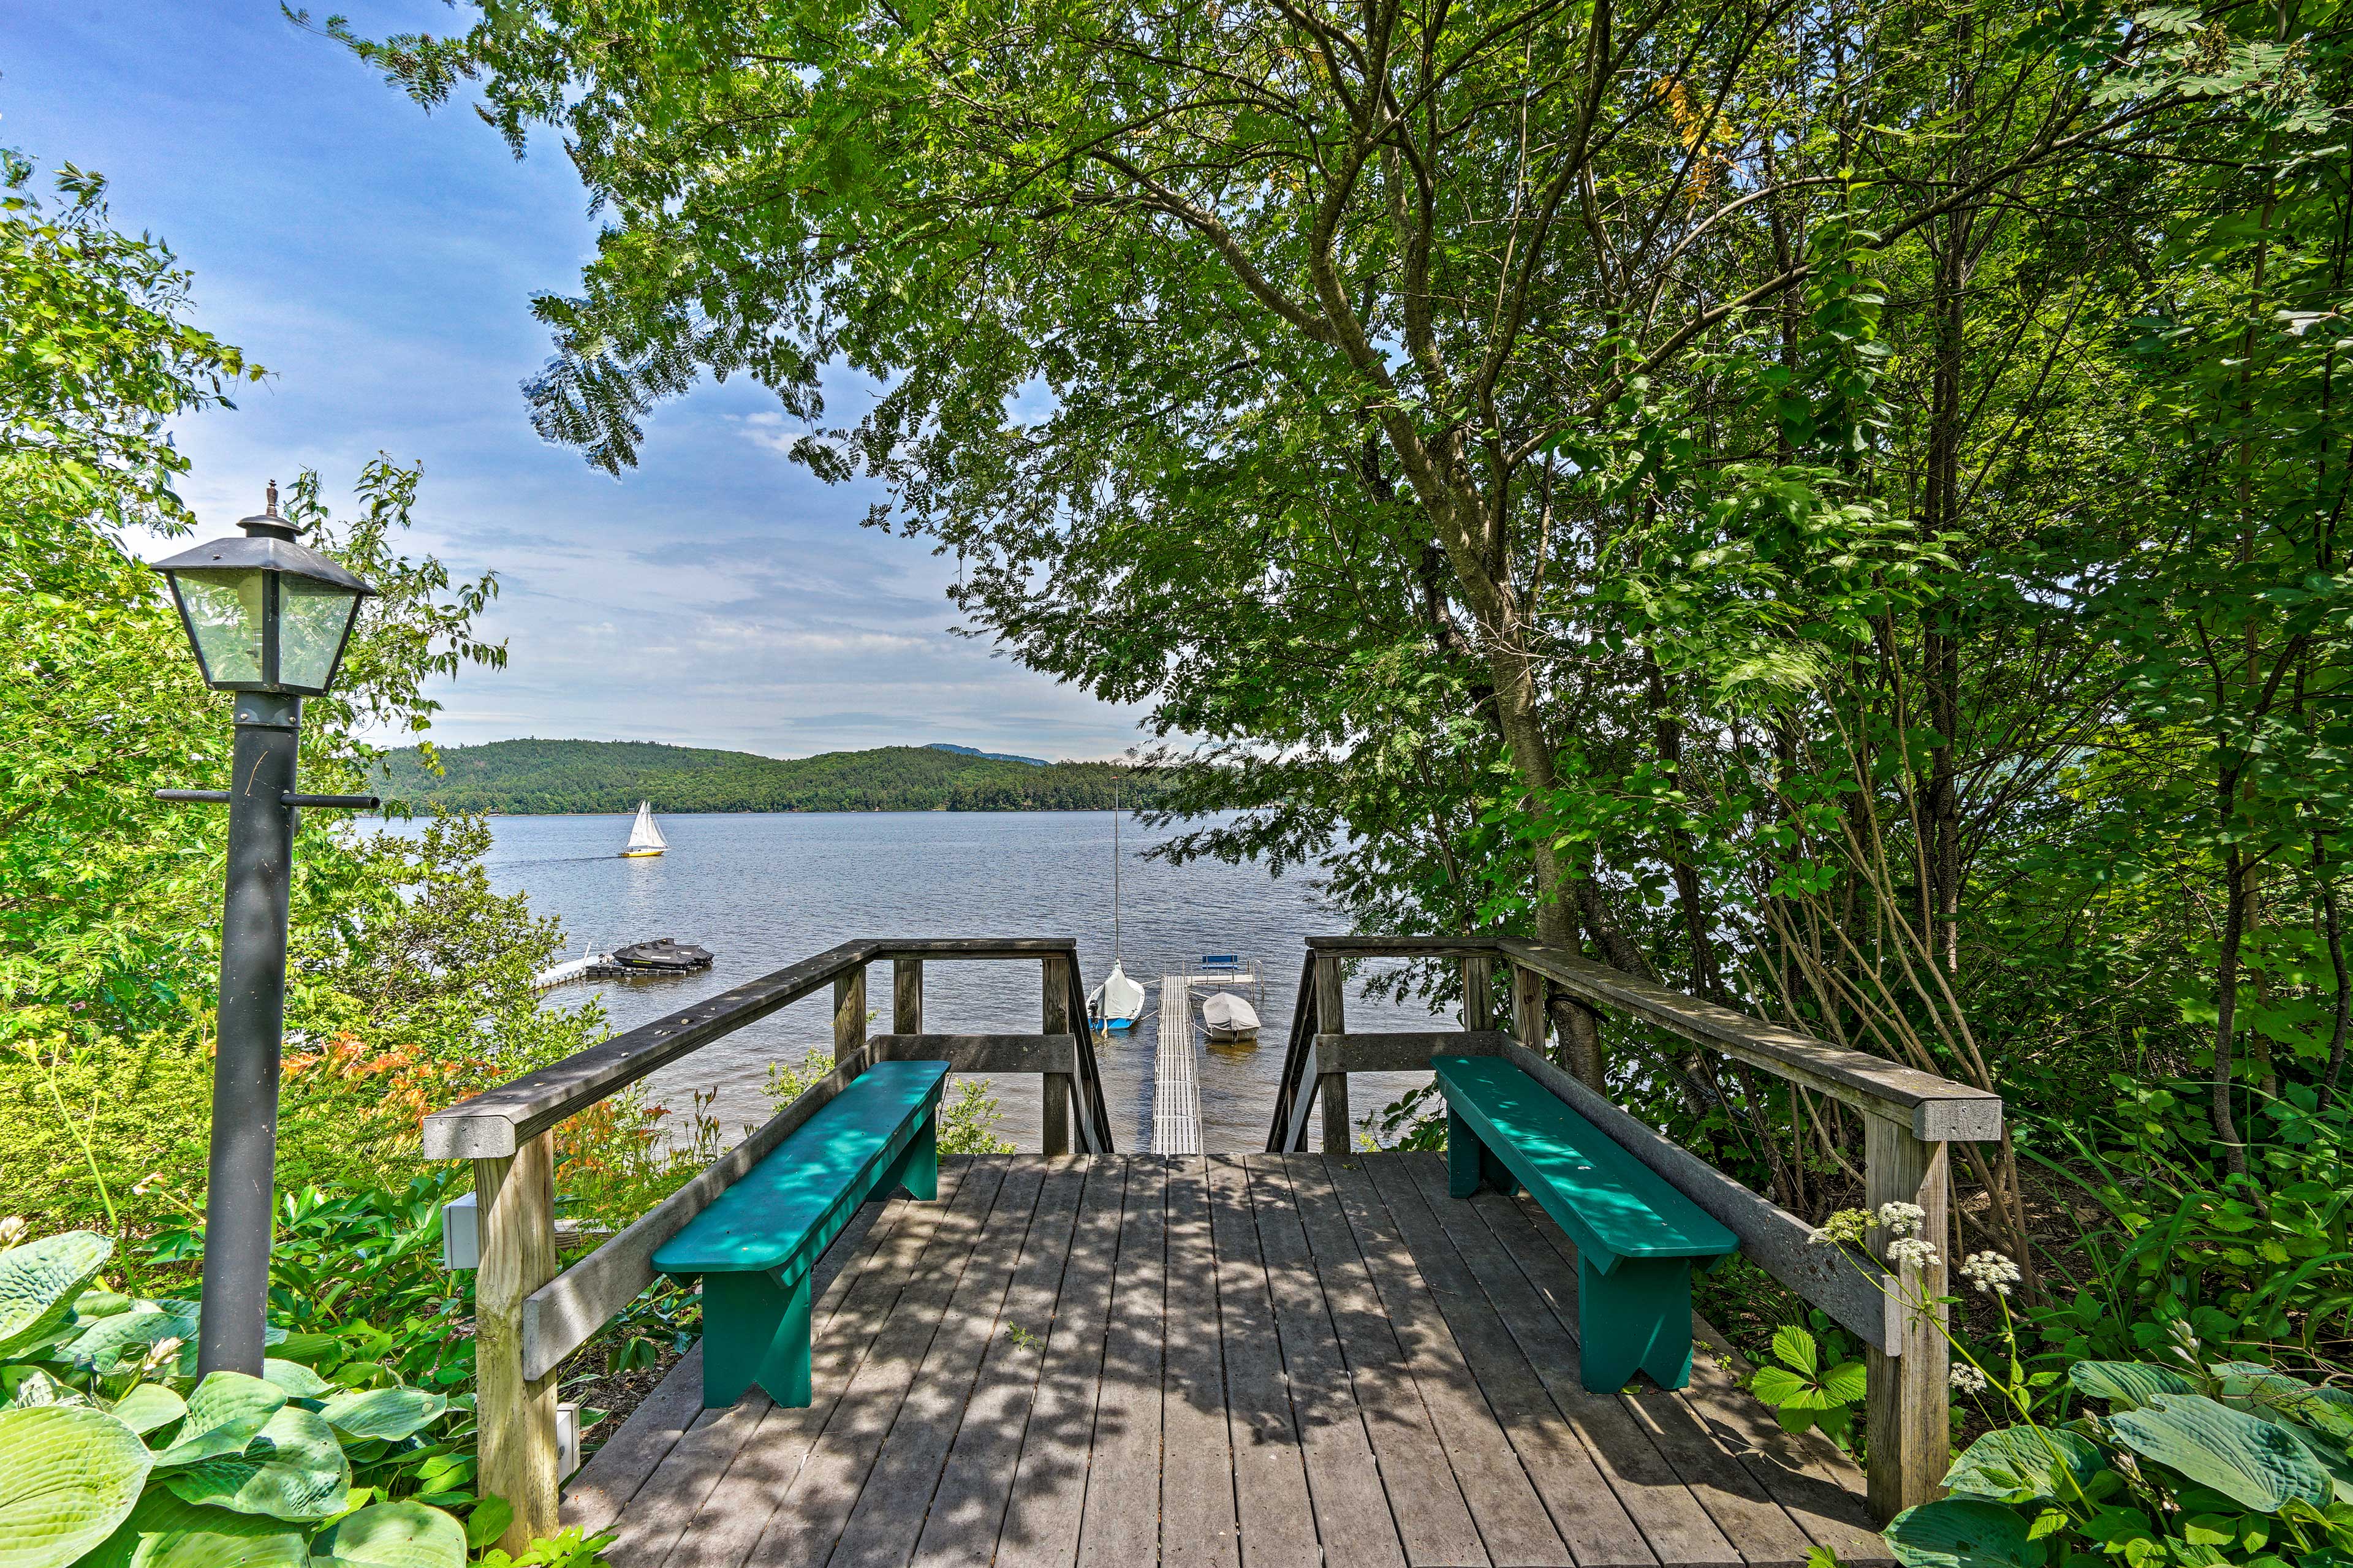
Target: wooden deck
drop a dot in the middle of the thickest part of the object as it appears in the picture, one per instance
(1241, 1361)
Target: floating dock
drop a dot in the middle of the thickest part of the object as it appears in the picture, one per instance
(1175, 1088)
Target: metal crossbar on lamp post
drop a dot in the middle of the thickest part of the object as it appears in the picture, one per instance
(269, 619)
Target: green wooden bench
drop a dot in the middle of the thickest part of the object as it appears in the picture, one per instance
(752, 1248)
(1636, 1237)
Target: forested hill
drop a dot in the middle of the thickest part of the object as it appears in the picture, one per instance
(539, 776)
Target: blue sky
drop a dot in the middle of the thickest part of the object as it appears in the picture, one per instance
(380, 261)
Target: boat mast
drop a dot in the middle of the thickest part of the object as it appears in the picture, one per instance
(1114, 873)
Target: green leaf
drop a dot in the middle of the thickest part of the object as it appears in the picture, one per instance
(148, 1407)
(1962, 1532)
(225, 1413)
(39, 1281)
(1795, 1348)
(298, 1381)
(1778, 1385)
(2130, 1383)
(165, 1533)
(489, 1521)
(119, 1342)
(68, 1474)
(396, 1535)
(382, 1412)
(2026, 1464)
(1847, 1381)
(293, 1469)
(2252, 1462)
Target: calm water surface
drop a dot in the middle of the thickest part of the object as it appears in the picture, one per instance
(762, 892)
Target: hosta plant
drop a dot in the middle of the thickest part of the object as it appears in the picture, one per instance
(114, 1454)
(2196, 1464)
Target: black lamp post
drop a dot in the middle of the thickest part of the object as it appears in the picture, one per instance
(269, 620)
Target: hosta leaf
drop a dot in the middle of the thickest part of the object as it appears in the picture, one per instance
(293, 1469)
(298, 1381)
(164, 1532)
(396, 1535)
(119, 1344)
(68, 1474)
(224, 1414)
(2252, 1462)
(1793, 1347)
(2129, 1383)
(39, 1280)
(93, 1305)
(2026, 1464)
(382, 1412)
(1963, 1533)
(37, 1387)
(148, 1407)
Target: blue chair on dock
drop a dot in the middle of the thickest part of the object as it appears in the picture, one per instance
(1637, 1237)
(754, 1247)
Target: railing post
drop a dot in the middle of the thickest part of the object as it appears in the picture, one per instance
(1055, 1014)
(515, 1214)
(907, 997)
(1478, 990)
(1528, 989)
(1908, 1403)
(849, 1012)
(1332, 1019)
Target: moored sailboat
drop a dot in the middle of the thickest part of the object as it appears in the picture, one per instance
(645, 838)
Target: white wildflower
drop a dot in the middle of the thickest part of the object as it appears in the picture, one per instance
(164, 1351)
(1911, 1252)
(1968, 1379)
(1902, 1220)
(1990, 1271)
(12, 1230)
(1846, 1225)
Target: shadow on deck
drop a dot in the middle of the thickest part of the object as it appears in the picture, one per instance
(1265, 1359)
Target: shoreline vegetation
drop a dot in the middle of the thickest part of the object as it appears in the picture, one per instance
(549, 778)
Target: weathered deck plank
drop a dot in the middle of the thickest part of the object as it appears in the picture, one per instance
(1353, 1517)
(1512, 1519)
(1198, 1523)
(1120, 1525)
(1106, 1360)
(1049, 1486)
(1270, 1499)
(968, 1510)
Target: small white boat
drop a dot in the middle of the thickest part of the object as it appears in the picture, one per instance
(1117, 1002)
(645, 838)
(1226, 1016)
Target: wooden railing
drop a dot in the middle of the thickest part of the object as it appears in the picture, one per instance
(1909, 1118)
(528, 1317)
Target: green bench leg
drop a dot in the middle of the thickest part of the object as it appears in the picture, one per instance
(1636, 1318)
(754, 1330)
(1470, 1164)
(918, 1169)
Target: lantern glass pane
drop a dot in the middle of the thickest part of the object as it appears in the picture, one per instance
(224, 610)
(312, 619)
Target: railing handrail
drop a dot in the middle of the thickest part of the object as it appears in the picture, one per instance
(495, 1122)
(1938, 1109)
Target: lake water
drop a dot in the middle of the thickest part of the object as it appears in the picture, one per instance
(762, 892)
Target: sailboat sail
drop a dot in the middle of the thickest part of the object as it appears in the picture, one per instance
(645, 838)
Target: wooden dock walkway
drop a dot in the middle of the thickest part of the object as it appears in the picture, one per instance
(1175, 1087)
(1242, 1362)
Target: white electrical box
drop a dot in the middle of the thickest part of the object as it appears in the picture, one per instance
(567, 1439)
(461, 1234)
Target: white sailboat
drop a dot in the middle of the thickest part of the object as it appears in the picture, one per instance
(1118, 1002)
(645, 838)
